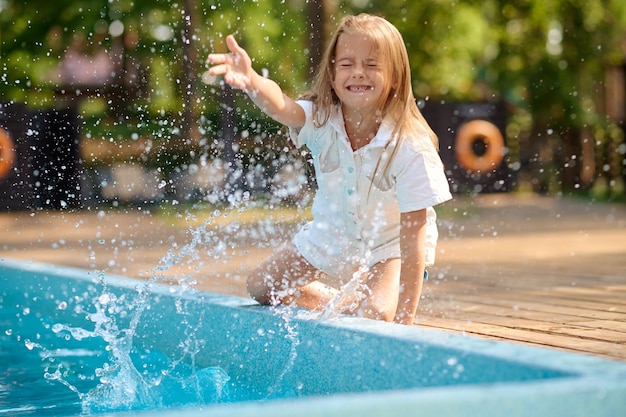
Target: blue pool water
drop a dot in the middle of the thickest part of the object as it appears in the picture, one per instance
(74, 342)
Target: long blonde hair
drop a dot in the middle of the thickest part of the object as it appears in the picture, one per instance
(397, 100)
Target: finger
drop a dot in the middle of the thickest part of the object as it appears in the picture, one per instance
(235, 80)
(216, 58)
(218, 69)
(232, 45)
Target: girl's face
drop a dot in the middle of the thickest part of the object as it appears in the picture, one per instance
(357, 74)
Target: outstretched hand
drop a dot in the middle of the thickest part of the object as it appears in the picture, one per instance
(236, 67)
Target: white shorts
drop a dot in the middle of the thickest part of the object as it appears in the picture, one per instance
(341, 265)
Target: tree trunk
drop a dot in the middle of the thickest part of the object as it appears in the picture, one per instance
(190, 132)
(316, 21)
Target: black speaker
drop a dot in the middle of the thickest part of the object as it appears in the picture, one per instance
(44, 169)
(16, 183)
(472, 144)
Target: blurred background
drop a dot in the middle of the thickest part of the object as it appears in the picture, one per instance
(108, 103)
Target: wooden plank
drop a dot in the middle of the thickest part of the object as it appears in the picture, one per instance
(524, 276)
(520, 308)
(594, 333)
(607, 349)
(612, 330)
(520, 304)
(574, 293)
(586, 304)
(597, 291)
(612, 325)
(452, 291)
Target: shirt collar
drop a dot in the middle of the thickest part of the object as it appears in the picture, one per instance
(336, 120)
(382, 138)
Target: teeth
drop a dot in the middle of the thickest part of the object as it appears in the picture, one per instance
(353, 88)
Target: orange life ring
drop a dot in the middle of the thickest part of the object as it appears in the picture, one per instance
(485, 133)
(7, 153)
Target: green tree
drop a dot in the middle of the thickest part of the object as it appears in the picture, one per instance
(168, 39)
(552, 62)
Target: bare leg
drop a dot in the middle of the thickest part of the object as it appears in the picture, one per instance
(316, 295)
(286, 277)
(383, 285)
(281, 277)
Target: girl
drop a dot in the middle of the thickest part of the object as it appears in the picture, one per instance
(377, 170)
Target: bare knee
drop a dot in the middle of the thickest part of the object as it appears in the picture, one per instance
(374, 306)
(377, 312)
(277, 280)
(257, 290)
(381, 300)
(261, 287)
(385, 314)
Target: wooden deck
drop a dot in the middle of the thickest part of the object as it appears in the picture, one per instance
(534, 270)
(538, 271)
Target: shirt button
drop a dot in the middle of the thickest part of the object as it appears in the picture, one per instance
(350, 192)
(350, 170)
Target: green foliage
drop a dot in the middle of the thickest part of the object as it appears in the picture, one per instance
(547, 58)
(36, 34)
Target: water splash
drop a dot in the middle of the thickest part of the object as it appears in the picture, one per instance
(121, 384)
(163, 381)
(130, 379)
(292, 335)
(355, 290)
(349, 297)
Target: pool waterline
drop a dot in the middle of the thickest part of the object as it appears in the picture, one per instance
(347, 366)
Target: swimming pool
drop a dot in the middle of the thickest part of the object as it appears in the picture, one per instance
(224, 356)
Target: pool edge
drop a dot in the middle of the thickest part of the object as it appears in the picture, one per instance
(600, 385)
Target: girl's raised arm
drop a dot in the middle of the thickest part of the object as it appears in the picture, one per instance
(236, 67)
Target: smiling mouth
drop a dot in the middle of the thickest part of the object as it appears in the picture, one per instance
(360, 88)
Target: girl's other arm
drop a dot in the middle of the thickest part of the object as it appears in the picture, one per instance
(412, 242)
(236, 67)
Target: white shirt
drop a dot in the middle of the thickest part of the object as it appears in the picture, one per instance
(357, 221)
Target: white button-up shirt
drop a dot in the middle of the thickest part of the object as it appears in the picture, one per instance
(356, 220)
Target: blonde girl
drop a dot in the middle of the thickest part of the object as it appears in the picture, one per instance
(377, 169)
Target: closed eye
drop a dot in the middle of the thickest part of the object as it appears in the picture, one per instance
(345, 63)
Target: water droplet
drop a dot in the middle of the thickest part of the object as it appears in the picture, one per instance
(104, 299)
